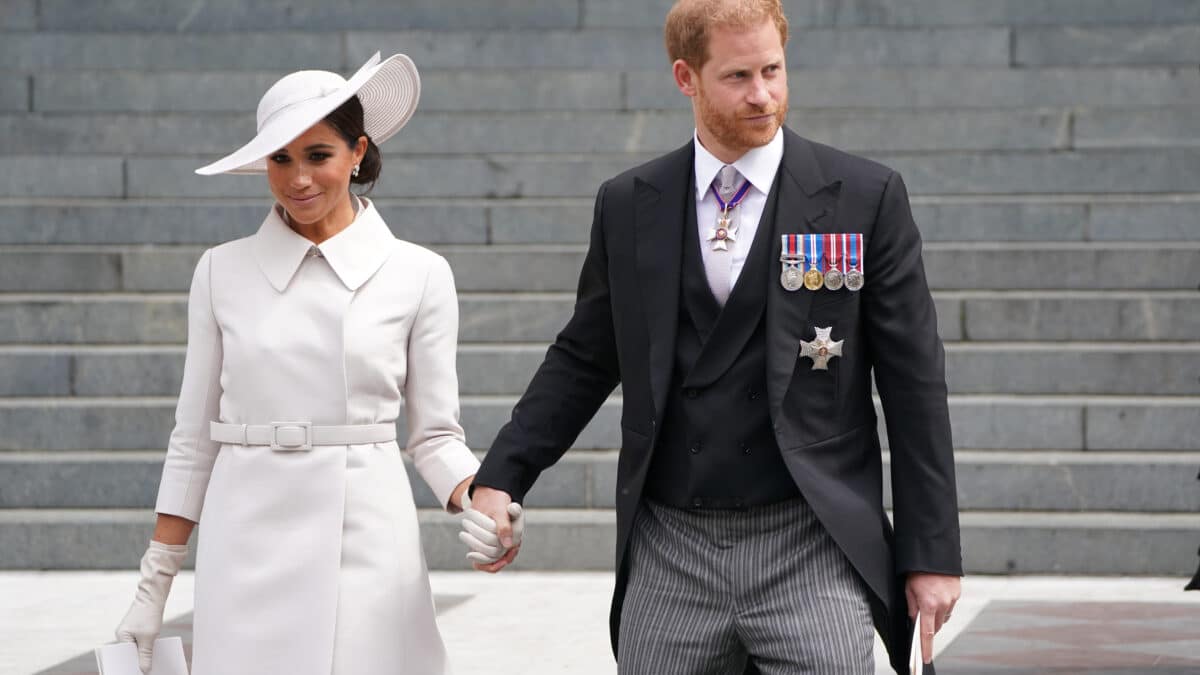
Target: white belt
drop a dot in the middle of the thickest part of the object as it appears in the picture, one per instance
(288, 436)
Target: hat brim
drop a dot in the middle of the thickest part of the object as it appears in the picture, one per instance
(389, 92)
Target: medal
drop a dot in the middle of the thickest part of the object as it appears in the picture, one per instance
(835, 244)
(725, 231)
(854, 275)
(821, 349)
(791, 257)
(813, 279)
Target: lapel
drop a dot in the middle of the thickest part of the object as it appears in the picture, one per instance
(807, 204)
(662, 198)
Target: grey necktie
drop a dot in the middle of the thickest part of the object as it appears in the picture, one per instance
(717, 263)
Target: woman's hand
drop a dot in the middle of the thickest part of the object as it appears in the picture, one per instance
(143, 621)
(492, 529)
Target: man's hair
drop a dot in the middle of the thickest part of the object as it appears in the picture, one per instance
(690, 21)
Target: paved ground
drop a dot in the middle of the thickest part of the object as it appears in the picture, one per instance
(534, 623)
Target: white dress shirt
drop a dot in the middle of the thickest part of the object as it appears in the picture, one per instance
(758, 166)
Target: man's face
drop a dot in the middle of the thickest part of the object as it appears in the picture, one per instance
(740, 94)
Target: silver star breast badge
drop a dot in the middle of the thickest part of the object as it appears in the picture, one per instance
(821, 349)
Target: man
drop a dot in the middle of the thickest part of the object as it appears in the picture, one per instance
(750, 526)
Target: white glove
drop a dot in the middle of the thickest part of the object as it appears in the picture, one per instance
(479, 533)
(143, 621)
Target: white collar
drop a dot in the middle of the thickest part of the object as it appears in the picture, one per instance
(759, 165)
(355, 253)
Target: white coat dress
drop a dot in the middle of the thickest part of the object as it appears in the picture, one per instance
(310, 563)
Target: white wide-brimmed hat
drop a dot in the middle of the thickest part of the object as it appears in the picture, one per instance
(388, 92)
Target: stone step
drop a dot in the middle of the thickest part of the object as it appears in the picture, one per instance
(631, 48)
(600, 48)
(989, 422)
(1106, 45)
(969, 266)
(462, 90)
(314, 15)
(575, 132)
(306, 15)
(1133, 171)
(59, 177)
(584, 539)
(803, 14)
(1029, 316)
(593, 49)
(987, 480)
(19, 15)
(1052, 218)
(281, 52)
(486, 369)
(15, 92)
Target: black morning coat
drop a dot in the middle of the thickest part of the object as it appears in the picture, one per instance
(624, 331)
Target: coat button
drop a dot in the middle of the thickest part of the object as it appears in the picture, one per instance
(752, 395)
(696, 449)
(745, 448)
(691, 392)
(696, 502)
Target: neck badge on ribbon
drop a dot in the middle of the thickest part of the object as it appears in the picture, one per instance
(726, 231)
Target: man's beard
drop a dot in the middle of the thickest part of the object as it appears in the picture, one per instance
(732, 132)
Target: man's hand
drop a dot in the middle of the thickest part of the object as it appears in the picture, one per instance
(933, 595)
(498, 506)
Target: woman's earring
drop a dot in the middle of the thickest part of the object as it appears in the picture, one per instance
(354, 171)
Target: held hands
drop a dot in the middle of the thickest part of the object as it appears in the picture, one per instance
(492, 529)
(932, 596)
(143, 621)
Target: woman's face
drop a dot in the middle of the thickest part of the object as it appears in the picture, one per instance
(310, 176)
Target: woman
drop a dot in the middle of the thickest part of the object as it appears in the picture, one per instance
(302, 340)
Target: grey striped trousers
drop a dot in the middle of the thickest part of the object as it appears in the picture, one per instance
(710, 589)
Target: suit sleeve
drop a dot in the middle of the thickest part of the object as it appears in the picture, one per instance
(579, 372)
(190, 452)
(909, 362)
(436, 442)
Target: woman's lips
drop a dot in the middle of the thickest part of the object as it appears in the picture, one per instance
(303, 200)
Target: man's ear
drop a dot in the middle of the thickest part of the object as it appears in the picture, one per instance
(685, 78)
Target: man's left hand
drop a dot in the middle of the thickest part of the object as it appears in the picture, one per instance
(933, 595)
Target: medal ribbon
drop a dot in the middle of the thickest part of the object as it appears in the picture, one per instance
(831, 244)
(815, 249)
(855, 251)
(792, 248)
(735, 200)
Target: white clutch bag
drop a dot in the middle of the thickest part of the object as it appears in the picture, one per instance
(122, 659)
(916, 665)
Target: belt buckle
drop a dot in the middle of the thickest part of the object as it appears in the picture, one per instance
(290, 440)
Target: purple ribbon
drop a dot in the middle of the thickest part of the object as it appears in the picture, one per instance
(737, 197)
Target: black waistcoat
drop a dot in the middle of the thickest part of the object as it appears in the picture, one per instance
(716, 447)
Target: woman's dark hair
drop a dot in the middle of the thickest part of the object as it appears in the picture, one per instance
(347, 120)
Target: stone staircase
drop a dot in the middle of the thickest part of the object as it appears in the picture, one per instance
(1052, 148)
